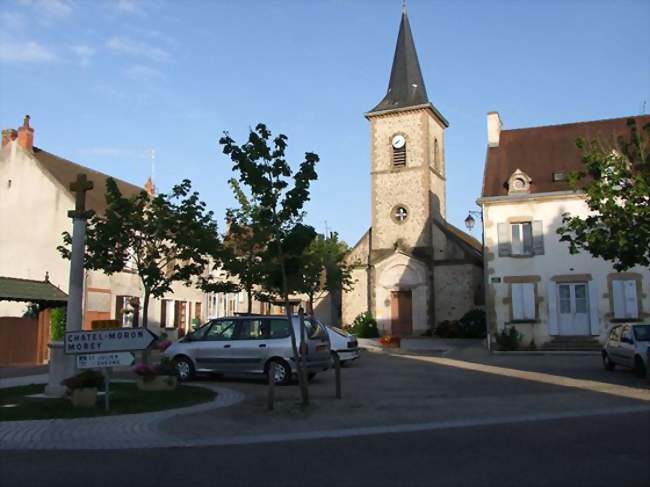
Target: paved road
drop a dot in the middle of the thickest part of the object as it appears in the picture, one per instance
(594, 451)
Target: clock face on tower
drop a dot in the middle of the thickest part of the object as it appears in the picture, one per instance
(398, 141)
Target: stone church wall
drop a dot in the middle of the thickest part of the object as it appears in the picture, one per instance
(457, 287)
(356, 301)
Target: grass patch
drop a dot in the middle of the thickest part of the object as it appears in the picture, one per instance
(125, 399)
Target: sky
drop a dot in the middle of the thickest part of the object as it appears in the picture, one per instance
(105, 81)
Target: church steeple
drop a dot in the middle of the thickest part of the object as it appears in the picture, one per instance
(406, 87)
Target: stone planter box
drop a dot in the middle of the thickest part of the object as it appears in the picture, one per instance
(85, 397)
(157, 384)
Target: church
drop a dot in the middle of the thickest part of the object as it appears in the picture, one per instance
(412, 269)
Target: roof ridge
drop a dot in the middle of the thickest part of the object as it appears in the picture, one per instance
(584, 122)
(38, 149)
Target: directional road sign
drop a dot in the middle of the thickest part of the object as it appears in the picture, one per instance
(101, 360)
(99, 341)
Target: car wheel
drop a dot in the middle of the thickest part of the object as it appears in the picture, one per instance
(282, 375)
(639, 367)
(607, 362)
(184, 368)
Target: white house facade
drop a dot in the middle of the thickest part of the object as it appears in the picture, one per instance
(554, 298)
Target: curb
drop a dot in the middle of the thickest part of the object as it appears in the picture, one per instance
(546, 352)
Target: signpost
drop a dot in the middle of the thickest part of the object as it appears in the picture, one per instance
(106, 348)
(115, 340)
(102, 360)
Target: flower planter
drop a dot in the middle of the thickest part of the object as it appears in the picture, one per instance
(157, 383)
(85, 397)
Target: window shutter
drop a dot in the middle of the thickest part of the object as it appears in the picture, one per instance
(517, 301)
(538, 238)
(594, 318)
(163, 313)
(551, 299)
(618, 299)
(631, 306)
(503, 230)
(527, 238)
(528, 291)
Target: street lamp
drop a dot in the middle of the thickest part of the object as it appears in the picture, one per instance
(470, 222)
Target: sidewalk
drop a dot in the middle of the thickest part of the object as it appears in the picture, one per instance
(423, 345)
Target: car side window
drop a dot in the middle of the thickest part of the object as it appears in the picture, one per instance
(314, 329)
(614, 334)
(278, 328)
(252, 330)
(222, 330)
(626, 335)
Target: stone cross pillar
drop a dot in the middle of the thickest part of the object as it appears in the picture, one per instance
(79, 217)
(62, 366)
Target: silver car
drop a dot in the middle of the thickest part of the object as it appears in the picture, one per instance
(248, 345)
(627, 345)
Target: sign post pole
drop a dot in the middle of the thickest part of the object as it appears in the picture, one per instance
(107, 392)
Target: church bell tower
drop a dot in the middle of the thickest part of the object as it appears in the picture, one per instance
(407, 156)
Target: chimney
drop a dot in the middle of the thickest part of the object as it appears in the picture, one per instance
(494, 125)
(149, 187)
(26, 135)
(8, 135)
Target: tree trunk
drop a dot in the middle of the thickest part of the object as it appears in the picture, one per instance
(304, 394)
(249, 293)
(145, 321)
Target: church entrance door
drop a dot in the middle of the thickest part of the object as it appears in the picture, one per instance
(401, 313)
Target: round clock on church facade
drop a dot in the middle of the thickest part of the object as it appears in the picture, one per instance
(398, 141)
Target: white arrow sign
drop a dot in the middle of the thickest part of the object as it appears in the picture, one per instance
(98, 341)
(100, 360)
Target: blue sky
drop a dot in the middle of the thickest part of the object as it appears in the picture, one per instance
(105, 80)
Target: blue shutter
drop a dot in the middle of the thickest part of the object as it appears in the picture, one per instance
(538, 238)
(503, 231)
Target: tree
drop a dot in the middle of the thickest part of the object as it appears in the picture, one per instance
(616, 184)
(325, 268)
(166, 238)
(280, 196)
(244, 245)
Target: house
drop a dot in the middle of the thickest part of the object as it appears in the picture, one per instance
(34, 203)
(552, 297)
(412, 268)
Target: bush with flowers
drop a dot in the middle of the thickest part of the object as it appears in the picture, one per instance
(390, 341)
(149, 372)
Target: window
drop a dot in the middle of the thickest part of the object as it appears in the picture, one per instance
(399, 214)
(314, 329)
(278, 328)
(626, 335)
(521, 238)
(642, 333)
(252, 330)
(559, 176)
(436, 155)
(222, 330)
(615, 334)
(624, 299)
(523, 301)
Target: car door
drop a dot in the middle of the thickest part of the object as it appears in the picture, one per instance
(626, 346)
(250, 347)
(214, 352)
(613, 344)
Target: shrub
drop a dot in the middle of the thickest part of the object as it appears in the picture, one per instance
(57, 323)
(390, 340)
(472, 324)
(149, 372)
(508, 339)
(448, 329)
(365, 326)
(87, 378)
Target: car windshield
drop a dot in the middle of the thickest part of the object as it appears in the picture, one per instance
(642, 333)
(338, 331)
(199, 332)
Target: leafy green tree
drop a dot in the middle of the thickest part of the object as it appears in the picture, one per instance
(616, 184)
(325, 269)
(165, 238)
(244, 246)
(279, 195)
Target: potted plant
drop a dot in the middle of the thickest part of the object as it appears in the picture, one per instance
(82, 388)
(390, 341)
(153, 378)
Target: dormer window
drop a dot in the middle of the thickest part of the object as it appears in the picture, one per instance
(398, 143)
(519, 182)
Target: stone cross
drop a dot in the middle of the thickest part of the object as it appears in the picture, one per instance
(401, 214)
(79, 188)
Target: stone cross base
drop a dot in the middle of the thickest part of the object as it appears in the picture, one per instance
(61, 367)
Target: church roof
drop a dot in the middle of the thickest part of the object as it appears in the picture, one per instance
(406, 86)
(65, 172)
(540, 152)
